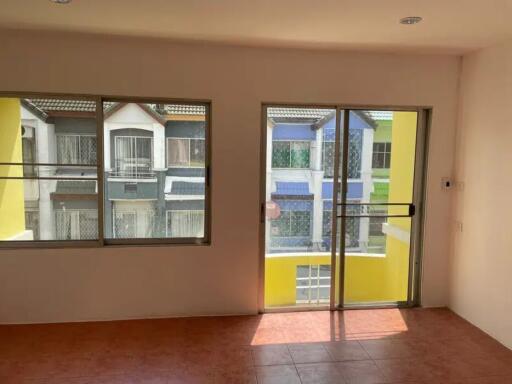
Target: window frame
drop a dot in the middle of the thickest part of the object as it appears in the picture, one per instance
(168, 139)
(79, 136)
(386, 154)
(290, 151)
(102, 178)
(168, 212)
(291, 212)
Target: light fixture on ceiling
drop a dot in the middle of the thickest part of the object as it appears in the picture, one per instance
(410, 20)
(61, 1)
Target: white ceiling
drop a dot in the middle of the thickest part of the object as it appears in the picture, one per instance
(449, 26)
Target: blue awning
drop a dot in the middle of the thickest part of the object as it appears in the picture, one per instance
(354, 192)
(292, 188)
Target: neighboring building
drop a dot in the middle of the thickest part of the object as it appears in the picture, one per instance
(154, 160)
(379, 274)
(300, 169)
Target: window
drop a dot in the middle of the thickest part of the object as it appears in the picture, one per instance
(139, 223)
(153, 178)
(327, 223)
(28, 153)
(381, 155)
(133, 157)
(156, 187)
(185, 152)
(313, 284)
(43, 203)
(292, 224)
(328, 158)
(75, 149)
(291, 154)
(76, 224)
(376, 224)
(185, 223)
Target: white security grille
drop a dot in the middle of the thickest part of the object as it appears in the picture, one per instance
(76, 224)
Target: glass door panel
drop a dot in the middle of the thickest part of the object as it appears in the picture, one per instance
(300, 160)
(377, 208)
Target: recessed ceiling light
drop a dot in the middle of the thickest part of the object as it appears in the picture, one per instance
(61, 1)
(409, 20)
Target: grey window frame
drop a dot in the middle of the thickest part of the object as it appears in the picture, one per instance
(168, 139)
(102, 241)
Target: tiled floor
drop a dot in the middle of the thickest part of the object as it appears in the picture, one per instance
(353, 347)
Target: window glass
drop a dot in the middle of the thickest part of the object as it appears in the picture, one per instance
(155, 182)
(53, 195)
(154, 162)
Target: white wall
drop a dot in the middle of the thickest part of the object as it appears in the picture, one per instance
(481, 267)
(79, 284)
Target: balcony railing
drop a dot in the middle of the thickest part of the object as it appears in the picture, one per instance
(133, 169)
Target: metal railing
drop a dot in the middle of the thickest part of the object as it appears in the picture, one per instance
(133, 169)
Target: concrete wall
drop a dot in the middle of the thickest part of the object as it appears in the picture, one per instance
(481, 267)
(126, 282)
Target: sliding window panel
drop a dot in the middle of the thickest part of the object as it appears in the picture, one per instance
(48, 170)
(156, 172)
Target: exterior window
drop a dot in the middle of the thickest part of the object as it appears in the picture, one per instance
(28, 149)
(376, 225)
(328, 158)
(75, 149)
(50, 151)
(291, 154)
(185, 223)
(133, 157)
(32, 222)
(327, 223)
(313, 284)
(186, 152)
(292, 224)
(381, 155)
(76, 224)
(131, 224)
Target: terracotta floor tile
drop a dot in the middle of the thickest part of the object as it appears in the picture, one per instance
(309, 353)
(395, 348)
(271, 355)
(361, 372)
(402, 346)
(320, 373)
(346, 351)
(404, 370)
(277, 374)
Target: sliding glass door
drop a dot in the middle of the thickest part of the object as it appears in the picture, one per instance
(340, 206)
(377, 207)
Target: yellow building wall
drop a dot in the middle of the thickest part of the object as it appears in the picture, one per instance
(368, 278)
(12, 205)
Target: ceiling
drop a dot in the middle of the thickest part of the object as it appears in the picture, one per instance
(449, 26)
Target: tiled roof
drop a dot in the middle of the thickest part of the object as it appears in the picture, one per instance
(381, 115)
(63, 105)
(298, 113)
(182, 109)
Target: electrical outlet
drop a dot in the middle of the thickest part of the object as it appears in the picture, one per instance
(446, 183)
(459, 226)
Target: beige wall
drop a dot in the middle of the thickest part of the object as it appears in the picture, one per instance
(78, 284)
(481, 268)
